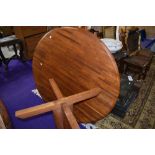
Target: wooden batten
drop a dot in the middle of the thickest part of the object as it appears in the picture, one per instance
(50, 106)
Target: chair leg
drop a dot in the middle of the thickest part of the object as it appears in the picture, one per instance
(4, 60)
(15, 50)
(145, 72)
(125, 67)
(21, 51)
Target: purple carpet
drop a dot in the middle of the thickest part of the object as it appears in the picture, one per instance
(16, 87)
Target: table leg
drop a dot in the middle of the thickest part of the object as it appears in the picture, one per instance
(21, 51)
(125, 67)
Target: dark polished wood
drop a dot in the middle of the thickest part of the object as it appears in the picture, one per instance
(138, 61)
(30, 35)
(128, 93)
(139, 64)
(5, 115)
(119, 58)
(78, 61)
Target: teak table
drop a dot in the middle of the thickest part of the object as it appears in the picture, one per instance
(76, 76)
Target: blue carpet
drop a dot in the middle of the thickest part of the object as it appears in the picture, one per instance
(147, 43)
(16, 87)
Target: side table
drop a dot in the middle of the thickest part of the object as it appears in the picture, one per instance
(138, 65)
(8, 41)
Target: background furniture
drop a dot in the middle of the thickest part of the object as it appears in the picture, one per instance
(11, 41)
(128, 93)
(149, 30)
(61, 62)
(115, 47)
(4, 115)
(6, 31)
(119, 58)
(153, 48)
(30, 35)
(145, 41)
(112, 44)
(104, 31)
(139, 64)
(139, 60)
(122, 37)
(96, 33)
(109, 32)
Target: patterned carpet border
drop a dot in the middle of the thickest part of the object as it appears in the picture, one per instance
(141, 113)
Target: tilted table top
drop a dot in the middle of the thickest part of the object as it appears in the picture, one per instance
(78, 61)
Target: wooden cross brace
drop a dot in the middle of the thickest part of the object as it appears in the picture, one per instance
(62, 107)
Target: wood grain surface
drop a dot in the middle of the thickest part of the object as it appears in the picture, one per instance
(78, 61)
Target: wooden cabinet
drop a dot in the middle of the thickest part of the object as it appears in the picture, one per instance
(30, 35)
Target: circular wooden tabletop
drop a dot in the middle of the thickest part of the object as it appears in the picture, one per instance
(78, 61)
